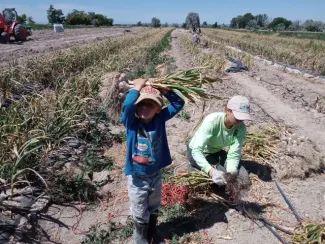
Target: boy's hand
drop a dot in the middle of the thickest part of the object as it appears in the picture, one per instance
(163, 91)
(139, 83)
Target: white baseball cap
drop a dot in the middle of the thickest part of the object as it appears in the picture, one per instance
(240, 107)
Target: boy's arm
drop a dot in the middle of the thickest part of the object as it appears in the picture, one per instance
(176, 103)
(234, 153)
(129, 108)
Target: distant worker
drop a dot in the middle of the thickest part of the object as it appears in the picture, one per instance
(196, 38)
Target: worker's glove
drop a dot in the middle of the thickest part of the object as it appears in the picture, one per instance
(218, 177)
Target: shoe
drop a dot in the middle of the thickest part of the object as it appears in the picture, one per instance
(154, 236)
(152, 227)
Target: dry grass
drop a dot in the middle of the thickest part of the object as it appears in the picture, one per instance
(214, 60)
(260, 144)
(53, 68)
(310, 233)
(30, 128)
(193, 238)
(117, 152)
(223, 50)
(307, 54)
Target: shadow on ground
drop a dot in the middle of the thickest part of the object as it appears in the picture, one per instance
(264, 172)
(203, 214)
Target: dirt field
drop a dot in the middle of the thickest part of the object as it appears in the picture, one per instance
(47, 41)
(276, 97)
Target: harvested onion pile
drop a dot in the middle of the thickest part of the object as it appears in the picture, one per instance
(173, 194)
(189, 84)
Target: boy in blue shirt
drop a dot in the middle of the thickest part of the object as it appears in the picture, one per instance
(147, 152)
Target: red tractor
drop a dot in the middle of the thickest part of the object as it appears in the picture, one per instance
(9, 26)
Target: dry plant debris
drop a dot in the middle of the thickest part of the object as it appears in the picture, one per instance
(261, 145)
(309, 233)
(199, 182)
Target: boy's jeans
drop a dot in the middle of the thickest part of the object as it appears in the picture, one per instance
(145, 195)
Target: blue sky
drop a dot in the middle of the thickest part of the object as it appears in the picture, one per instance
(173, 11)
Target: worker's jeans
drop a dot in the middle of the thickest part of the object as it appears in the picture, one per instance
(145, 195)
(216, 159)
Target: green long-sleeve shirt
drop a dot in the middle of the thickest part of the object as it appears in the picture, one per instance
(212, 136)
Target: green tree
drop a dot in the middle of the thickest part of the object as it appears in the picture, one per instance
(55, 15)
(205, 24)
(215, 25)
(184, 25)
(91, 15)
(315, 26)
(22, 18)
(166, 24)
(30, 20)
(295, 26)
(234, 22)
(51, 14)
(262, 19)
(241, 21)
(155, 22)
(279, 20)
(109, 21)
(252, 25)
(237, 22)
(76, 17)
(280, 27)
(246, 18)
(176, 25)
(139, 23)
(193, 20)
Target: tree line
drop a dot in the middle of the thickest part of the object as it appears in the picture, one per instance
(262, 21)
(77, 17)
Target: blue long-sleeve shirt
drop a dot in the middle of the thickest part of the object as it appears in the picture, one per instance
(147, 146)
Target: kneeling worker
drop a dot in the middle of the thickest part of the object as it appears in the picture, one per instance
(217, 131)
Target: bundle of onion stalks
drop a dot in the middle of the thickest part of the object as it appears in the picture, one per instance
(200, 181)
(187, 83)
(195, 179)
(261, 144)
(190, 84)
(309, 233)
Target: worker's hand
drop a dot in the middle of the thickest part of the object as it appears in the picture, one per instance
(218, 177)
(139, 83)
